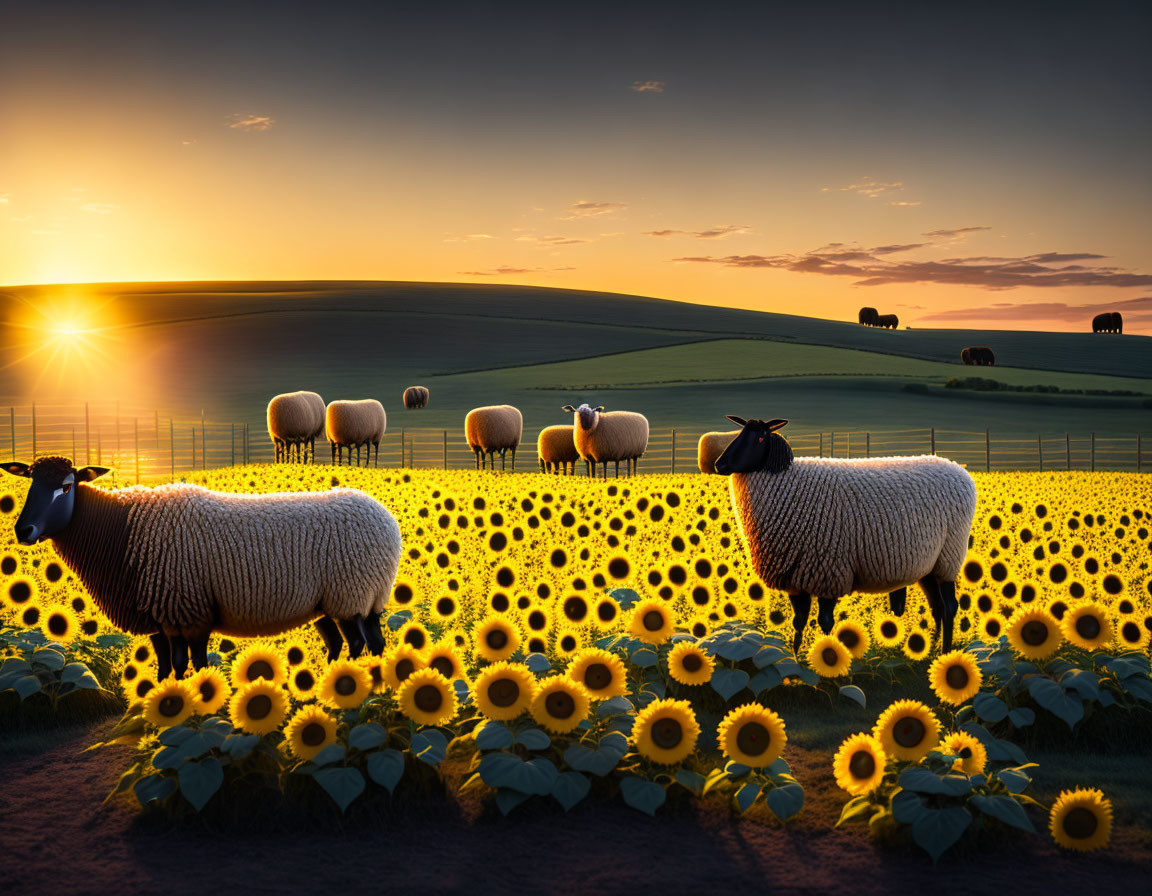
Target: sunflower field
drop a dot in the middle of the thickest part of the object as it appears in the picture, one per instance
(558, 640)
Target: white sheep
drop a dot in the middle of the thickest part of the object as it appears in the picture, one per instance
(355, 424)
(826, 527)
(295, 420)
(710, 447)
(185, 561)
(556, 449)
(614, 436)
(492, 430)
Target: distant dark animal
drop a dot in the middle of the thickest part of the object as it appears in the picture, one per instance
(415, 397)
(868, 316)
(888, 321)
(1108, 322)
(978, 356)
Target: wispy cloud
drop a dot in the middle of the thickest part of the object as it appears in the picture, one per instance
(902, 203)
(242, 122)
(867, 186)
(470, 238)
(648, 86)
(1134, 310)
(4, 197)
(712, 233)
(587, 208)
(553, 240)
(953, 232)
(505, 270)
(100, 208)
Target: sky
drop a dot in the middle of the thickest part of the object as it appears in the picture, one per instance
(963, 166)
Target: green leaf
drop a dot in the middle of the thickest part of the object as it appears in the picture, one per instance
(854, 693)
(644, 657)
(13, 665)
(570, 788)
(1006, 809)
(922, 780)
(599, 762)
(367, 736)
(154, 787)
(176, 735)
(989, 707)
(936, 830)
(1021, 718)
(49, 658)
(386, 767)
(626, 597)
(764, 680)
(199, 780)
(73, 672)
(331, 753)
(508, 799)
(27, 686)
(907, 806)
(746, 796)
(690, 781)
(240, 745)
(785, 801)
(537, 662)
(494, 736)
(729, 682)
(1140, 688)
(1014, 779)
(767, 655)
(112, 640)
(642, 794)
(429, 746)
(342, 784)
(1052, 696)
(856, 809)
(533, 739)
(1085, 684)
(615, 706)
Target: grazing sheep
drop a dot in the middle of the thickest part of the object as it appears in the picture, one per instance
(710, 447)
(888, 321)
(557, 449)
(830, 526)
(978, 355)
(1108, 322)
(355, 424)
(179, 562)
(415, 397)
(868, 316)
(295, 420)
(615, 436)
(492, 430)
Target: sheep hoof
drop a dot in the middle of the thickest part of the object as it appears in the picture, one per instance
(826, 614)
(897, 600)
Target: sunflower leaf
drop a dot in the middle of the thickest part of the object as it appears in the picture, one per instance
(690, 781)
(398, 619)
(240, 745)
(642, 794)
(537, 662)
(989, 707)
(615, 706)
(533, 739)
(331, 753)
(643, 657)
(342, 784)
(430, 746)
(626, 597)
(199, 780)
(570, 788)
(176, 735)
(746, 796)
(1005, 809)
(386, 767)
(856, 809)
(367, 736)
(49, 658)
(154, 787)
(785, 801)
(1014, 779)
(936, 830)
(852, 692)
(27, 686)
(729, 682)
(921, 780)
(494, 736)
(72, 673)
(1052, 696)
(907, 806)
(1021, 718)
(1086, 684)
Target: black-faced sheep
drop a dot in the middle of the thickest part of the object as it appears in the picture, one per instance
(1108, 322)
(492, 430)
(179, 562)
(415, 397)
(601, 437)
(978, 355)
(295, 421)
(826, 527)
(710, 447)
(868, 316)
(888, 321)
(557, 449)
(355, 424)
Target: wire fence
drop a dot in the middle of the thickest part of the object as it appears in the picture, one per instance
(146, 444)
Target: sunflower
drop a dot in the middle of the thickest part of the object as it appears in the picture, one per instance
(310, 731)
(853, 636)
(665, 731)
(1087, 625)
(446, 659)
(917, 646)
(374, 666)
(1081, 819)
(955, 677)
(829, 658)
(258, 660)
(991, 627)
(689, 664)
(889, 631)
(972, 755)
(210, 689)
(346, 684)
(1132, 634)
(399, 663)
(560, 704)
(258, 707)
(504, 690)
(302, 682)
(295, 652)
(652, 622)
(138, 688)
(606, 613)
(59, 624)
(907, 730)
(20, 592)
(427, 698)
(752, 735)
(169, 703)
(496, 639)
(412, 632)
(1034, 634)
(600, 672)
(568, 641)
(859, 764)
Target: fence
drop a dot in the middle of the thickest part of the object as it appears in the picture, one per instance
(147, 444)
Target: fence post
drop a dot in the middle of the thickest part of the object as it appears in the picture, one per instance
(445, 449)
(867, 444)
(821, 443)
(232, 444)
(33, 430)
(136, 436)
(401, 449)
(848, 454)
(172, 447)
(987, 452)
(1040, 451)
(203, 444)
(1138, 453)
(87, 437)
(193, 448)
(932, 439)
(1093, 452)
(1068, 451)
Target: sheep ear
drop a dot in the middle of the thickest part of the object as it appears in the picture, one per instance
(569, 409)
(776, 424)
(15, 468)
(90, 473)
(599, 409)
(739, 421)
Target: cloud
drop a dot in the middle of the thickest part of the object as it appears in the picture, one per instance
(507, 269)
(240, 122)
(903, 203)
(554, 240)
(648, 86)
(4, 197)
(470, 237)
(867, 186)
(1132, 309)
(872, 267)
(953, 232)
(100, 208)
(712, 233)
(589, 209)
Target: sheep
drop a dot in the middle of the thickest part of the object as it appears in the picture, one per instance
(557, 449)
(491, 430)
(179, 562)
(1108, 322)
(615, 436)
(295, 420)
(829, 526)
(710, 447)
(355, 424)
(868, 316)
(978, 355)
(415, 397)
(888, 321)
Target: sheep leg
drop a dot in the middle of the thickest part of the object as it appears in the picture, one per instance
(179, 655)
(618, 469)
(198, 647)
(513, 460)
(826, 614)
(931, 590)
(353, 632)
(163, 655)
(374, 634)
(951, 607)
(801, 607)
(897, 600)
(330, 634)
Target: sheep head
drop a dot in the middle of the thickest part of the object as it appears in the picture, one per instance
(758, 447)
(51, 498)
(586, 417)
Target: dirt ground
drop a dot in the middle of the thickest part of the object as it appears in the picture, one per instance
(56, 836)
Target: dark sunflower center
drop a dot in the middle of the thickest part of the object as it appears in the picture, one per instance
(170, 707)
(965, 753)
(428, 698)
(1088, 627)
(259, 707)
(957, 677)
(560, 705)
(503, 692)
(828, 656)
(305, 680)
(908, 732)
(295, 656)
(597, 677)
(916, 643)
(753, 739)
(862, 765)
(667, 733)
(849, 638)
(313, 734)
(404, 668)
(207, 691)
(1080, 823)
(443, 665)
(888, 629)
(497, 639)
(653, 621)
(1130, 631)
(57, 625)
(1034, 633)
(345, 686)
(260, 669)
(692, 662)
